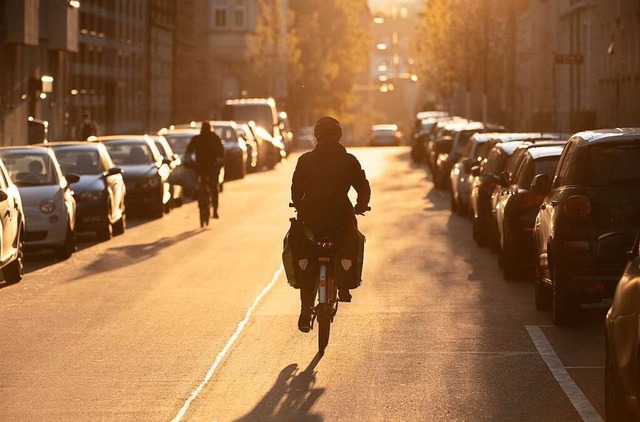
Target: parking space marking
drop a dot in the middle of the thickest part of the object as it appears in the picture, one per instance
(227, 346)
(577, 398)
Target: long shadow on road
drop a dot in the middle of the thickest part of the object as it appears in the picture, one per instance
(291, 397)
(122, 256)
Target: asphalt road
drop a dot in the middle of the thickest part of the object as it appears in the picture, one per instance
(171, 321)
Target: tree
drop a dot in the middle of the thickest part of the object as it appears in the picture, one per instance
(333, 51)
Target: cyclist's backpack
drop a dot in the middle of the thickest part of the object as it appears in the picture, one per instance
(298, 255)
(349, 258)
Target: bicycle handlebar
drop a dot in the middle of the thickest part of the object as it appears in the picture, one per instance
(292, 205)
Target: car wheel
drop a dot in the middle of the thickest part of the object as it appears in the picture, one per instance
(67, 249)
(105, 231)
(542, 293)
(14, 271)
(563, 307)
(157, 211)
(120, 225)
(478, 235)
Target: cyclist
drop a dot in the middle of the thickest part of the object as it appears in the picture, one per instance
(319, 190)
(209, 152)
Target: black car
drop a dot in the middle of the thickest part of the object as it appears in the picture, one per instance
(100, 192)
(145, 172)
(420, 137)
(595, 191)
(621, 387)
(517, 206)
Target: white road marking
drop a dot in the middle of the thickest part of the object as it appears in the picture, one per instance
(584, 367)
(227, 346)
(570, 388)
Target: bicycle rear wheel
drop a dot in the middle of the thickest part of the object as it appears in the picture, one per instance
(324, 326)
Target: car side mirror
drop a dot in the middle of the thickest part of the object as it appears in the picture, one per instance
(113, 171)
(3, 196)
(72, 178)
(504, 179)
(443, 145)
(610, 246)
(541, 184)
(475, 171)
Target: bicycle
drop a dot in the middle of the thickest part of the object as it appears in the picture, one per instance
(326, 308)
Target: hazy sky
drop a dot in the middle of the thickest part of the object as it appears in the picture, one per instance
(383, 4)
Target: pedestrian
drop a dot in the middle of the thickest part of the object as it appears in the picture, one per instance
(88, 126)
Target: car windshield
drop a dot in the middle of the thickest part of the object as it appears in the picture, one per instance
(259, 113)
(496, 162)
(79, 161)
(179, 142)
(123, 153)
(29, 168)
(384, 132)
(608, 164)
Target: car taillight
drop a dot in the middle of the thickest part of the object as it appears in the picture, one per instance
(578, 207)
(527, 200)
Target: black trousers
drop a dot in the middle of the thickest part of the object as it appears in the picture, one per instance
(211, 177)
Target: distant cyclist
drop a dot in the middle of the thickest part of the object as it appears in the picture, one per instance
(319, 190)
(209, 152)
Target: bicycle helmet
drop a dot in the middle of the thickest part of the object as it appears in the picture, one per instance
(327, 128)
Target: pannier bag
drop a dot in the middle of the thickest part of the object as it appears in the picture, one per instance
(185, 177)
(298, 255)
(349, 258)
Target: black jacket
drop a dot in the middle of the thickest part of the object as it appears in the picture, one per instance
(320, 187)
(208, 149)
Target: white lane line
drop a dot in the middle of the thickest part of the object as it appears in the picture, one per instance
(227, 346)
(570, 388)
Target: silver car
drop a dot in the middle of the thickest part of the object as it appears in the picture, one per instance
(47, 199)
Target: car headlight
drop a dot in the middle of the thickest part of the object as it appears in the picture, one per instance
(90, 196)
(47, 207)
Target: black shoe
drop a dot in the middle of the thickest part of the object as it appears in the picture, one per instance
(344, 295)
(215, 214)
(304, 321)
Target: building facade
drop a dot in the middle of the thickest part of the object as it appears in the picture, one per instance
(34, 66)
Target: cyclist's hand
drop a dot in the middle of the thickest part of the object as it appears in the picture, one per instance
(361, 209)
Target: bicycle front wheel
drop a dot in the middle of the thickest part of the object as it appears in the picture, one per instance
(324, 326)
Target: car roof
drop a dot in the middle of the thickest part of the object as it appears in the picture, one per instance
(179, 131)
(25, 148)
(389, 126)
(70, 144)
(509, 147)
(119, 138)
(431, 114)
(545, 151)
(607, 135)
(524, 136)
(482, 137)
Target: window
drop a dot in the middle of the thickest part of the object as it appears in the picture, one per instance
(239, 13)
(220, 13)
(562, 171)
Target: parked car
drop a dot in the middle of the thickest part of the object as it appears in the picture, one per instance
(179, 137)
(420, 137)
(272, 150)
(177, 193)
(461, 171)
(385, 135)
(595, 191)
(100, 192)
(235, 149)
(145, 172)
(12, 229)
(285, 131)
(47, 199)
(438, 131)
(450, 148)
(262, 111)
(621, 387)
(517, 206)
(253, 148)
(504, 180)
